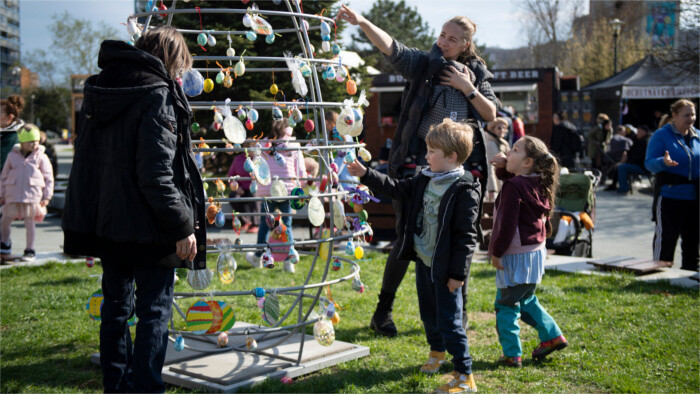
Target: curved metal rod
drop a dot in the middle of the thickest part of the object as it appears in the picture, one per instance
(214, 249)
(262, 59)
(241, 32)
(232, 11)
(264, 104)
(222, 140)
(306, 148)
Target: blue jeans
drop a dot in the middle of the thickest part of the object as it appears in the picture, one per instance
(441, 313)
(520, 302)
(625, 169)
(137, 369)
(270, 207)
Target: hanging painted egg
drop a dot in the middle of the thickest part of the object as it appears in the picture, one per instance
(293, 256)
(248, 164)
(359, 252)
(271, 309)
(228, 81)
(330, 73)
(94, 305)
(202, 39)
(203, 317)
(250, 343)
(305, 69)
(212, 210)
(338, 213)
(296, 115)
(239, 69)
(220, 77)
(208, 85)
(274, 89)
(325, 28)
(179, 343)
(236, 225)
(326, 46)
(277, 114)
(247, 20)
(325, 37)
(251, 36)
(357, 285)
(222, 340)
(261, 171)
(162, 7)
(234, 130)
(199, 279)
(259, 292)
(216, 126)
(90, 261)
(249, 125)
(362, 216)
(278, 189)
(242, 115)
(280, 160)
(334, 168)
(192, 82)
(316, 212)
(220, 220)
(211, 41)
(291, 122)
(267, 259)
(225, 268)
(337, 265)
(351, 87)
(233, 185)
(253, 115)
(299, 203)
(335, 49)
(309, 125)
(261, 26)
(324, 333)
(253, 187)
(218, 117)
(230, 52)
(364, 154)
(350, 248)
(270, 38)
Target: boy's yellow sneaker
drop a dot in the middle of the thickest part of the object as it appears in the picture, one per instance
(435, 361)
(460, 383)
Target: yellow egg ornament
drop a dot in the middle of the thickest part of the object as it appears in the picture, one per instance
(274, 89)
(208, 85)
(359, 252)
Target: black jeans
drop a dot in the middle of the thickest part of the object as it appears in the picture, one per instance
(137, 369)
(677, 218)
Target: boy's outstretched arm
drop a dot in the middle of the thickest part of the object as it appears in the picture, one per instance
(396, 189)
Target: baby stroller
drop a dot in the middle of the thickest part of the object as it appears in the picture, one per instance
(574, 214)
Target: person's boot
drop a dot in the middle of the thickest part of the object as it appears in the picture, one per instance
(382, 322)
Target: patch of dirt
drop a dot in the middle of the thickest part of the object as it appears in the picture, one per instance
(481, 316)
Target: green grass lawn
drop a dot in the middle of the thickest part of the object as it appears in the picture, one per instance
(626, 336)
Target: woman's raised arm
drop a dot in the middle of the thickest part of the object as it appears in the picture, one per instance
(381, 39)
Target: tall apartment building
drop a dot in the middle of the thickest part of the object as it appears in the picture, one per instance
(9, 47)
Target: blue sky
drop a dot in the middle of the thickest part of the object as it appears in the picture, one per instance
(497, 20)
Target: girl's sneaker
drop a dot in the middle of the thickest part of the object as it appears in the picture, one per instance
(547, 347)
(514, 362)
(29, 255)
(460, 383)
(435, 361)
(5, 248)
(288, 267)
(255, 261)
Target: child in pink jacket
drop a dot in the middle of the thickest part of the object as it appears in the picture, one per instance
(26, 187)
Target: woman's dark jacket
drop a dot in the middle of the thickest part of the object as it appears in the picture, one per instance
(416, 95)
(457, 218)
(134, 186)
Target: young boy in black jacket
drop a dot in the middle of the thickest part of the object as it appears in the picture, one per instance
(440, 209)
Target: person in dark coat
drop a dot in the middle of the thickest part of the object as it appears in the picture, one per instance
(135, 199)
(565, 142)
(633, 160)
(449, 81)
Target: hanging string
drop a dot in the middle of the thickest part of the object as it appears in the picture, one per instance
(201, 26)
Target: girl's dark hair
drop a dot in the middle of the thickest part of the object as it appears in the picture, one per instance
(13, 105)
(469, 29)
(545, 164)
(277, 129)
(168, 45)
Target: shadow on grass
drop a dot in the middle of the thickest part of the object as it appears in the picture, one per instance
(61, 282)
(358, 334)
(639, 287)
(51, 372)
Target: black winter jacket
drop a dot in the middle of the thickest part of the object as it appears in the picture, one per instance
(457, 218)
(134, 185)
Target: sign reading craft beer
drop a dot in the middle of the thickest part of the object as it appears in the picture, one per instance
(659, 92)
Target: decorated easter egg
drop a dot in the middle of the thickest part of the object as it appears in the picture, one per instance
(261, 26)
(162, 7)
(261, 171)
(274, 89)
(251, 36)
(293, 256)
(208, 85)
(351, 87)
(326, 46)
(299, 203)
(220, 219)
(250, 343)
(225, 268)
(291, 122)
(218, 117)
(350, 248)
(325, 28)
(305, 69)
(253, 187)
(228, 316)
(199, 279)
(230, 52)
(316, 212)
(338, 213)
(271, 309)
(234, 130)
(324, 333)
(211, 41)
(202, 39)
(309, 125)
(335, 49)
(220, 77)
(278, 189)
(296, 115)
(359, 252)
(249, 125)
(236, 225)
(253, 115)
(179, 343)
(324, 247)
(222, 340)
(364, 154)
(277, 114)
(337, 265)
(239, 68)
(270, 38)
(192, 82)
(228, 81)
(200, 317)
(357, 285)
(259, 292)
(90, 261)
(94, 305)
(325, 37)
(247, 20)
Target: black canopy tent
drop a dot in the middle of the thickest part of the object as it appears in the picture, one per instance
(633, 94)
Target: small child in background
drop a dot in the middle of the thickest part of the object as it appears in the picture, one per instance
(280, 135)
(517, 248)
(248, 223)
(26, 187)
(312, 167)
(440, 208)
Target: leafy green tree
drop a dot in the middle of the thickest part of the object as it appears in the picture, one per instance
(73, 49)
(401, 22)
(47, 107)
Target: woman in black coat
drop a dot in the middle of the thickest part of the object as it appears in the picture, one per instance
(135, 199)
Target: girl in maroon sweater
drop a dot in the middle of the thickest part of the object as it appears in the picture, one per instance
(517, 248)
